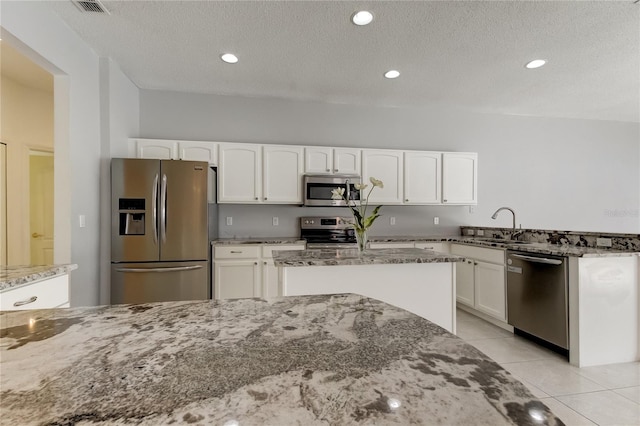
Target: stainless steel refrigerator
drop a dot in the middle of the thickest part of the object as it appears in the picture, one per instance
(159, 238)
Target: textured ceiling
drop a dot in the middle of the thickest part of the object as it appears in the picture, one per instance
(451, 54)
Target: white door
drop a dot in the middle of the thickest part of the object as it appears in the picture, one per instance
(156, 149)
(459, 178)
(387, 166)
(347, 161)
(465, 283)
(422, 171)
(490, 289)
(240, 173)
(318, 159)
(236, 279)
(198, 151)
(41, 207)
(282, 174)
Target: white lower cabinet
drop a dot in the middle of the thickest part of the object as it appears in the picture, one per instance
(241, 271)
(44, 294)
(481, 280)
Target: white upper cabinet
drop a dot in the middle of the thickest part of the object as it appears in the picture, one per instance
(387, 166)
(283, 167)
(240, 173)
(320, 159)
(347, 161)
(422, 177)
(198, 151)
(156, 149)
(459, 178)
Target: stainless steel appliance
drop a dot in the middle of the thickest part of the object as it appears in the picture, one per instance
(159, 238)
(327, 232)
(317, 189)
(537, 296)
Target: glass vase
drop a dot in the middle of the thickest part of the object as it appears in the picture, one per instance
(361, 238)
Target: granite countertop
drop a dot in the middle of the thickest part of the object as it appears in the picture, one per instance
(313, 360)
(264, 240)
(15, 276)
(326, 257)
(531, 247)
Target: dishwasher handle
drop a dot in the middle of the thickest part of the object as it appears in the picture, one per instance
(535, 259)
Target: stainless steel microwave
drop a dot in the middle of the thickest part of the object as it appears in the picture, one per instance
(317, 189)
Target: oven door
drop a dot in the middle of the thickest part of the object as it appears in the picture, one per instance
(318, 190)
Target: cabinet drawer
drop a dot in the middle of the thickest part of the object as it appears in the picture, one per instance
(236, 252)
(439, 247)
(48, 293)
(267, 251)
(479, 253)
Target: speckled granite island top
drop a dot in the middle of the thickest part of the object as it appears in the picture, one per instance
(330, 257)
(315, 360)
(15, 276)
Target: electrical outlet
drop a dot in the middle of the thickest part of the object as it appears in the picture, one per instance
(229, 220)
(392, 220)
(436, 220)
(603, 242)
(480, 233)
(275, 221)
(469, 231)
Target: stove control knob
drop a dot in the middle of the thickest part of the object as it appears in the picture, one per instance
(311, 222)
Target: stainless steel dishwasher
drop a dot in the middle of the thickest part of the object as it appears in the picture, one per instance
(537, 297)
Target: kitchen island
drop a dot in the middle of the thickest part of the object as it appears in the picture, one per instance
(420, 281)
(333, 359)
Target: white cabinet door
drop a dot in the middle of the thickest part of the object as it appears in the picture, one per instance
(465, 283)
(459, 178)
(422, 183)
(387, 166)
(347, 161)
(156, 149)
(282, 174)
(235, 279)
(318, 159)
(270, 279)
(198, 151)
(490, 289)
(240, 173)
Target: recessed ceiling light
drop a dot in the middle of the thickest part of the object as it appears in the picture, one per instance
(392, 74)
(362, 18)
(229, 58)
(536, 63)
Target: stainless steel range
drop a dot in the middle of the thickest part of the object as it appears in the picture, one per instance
(328, 232)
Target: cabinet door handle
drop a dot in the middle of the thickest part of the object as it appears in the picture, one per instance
(256, 198)
(407, 200)
(236, 251)
(255, 263)
(265, 263)
(26, 301)
(265, 198)
(444, 201)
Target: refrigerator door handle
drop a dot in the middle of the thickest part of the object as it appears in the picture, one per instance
(163, 209)
(154, 201)
(173, 269)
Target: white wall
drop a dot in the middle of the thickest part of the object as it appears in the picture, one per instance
(120, 119)
(564, 174)
(47, 40)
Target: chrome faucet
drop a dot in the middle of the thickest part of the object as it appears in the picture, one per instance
(515, 233)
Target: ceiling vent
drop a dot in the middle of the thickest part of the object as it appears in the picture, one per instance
(94, 6)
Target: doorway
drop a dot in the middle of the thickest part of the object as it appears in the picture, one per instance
(41, 207)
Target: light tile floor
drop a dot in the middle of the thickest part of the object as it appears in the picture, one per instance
(604, 395)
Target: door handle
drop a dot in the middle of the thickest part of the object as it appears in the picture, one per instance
(534, 259)
(36, 235)
(163, 209)
(26, 301)
(173, 269)
(154, 201)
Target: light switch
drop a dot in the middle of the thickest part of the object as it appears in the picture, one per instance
(392, 220)
(82, 221)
